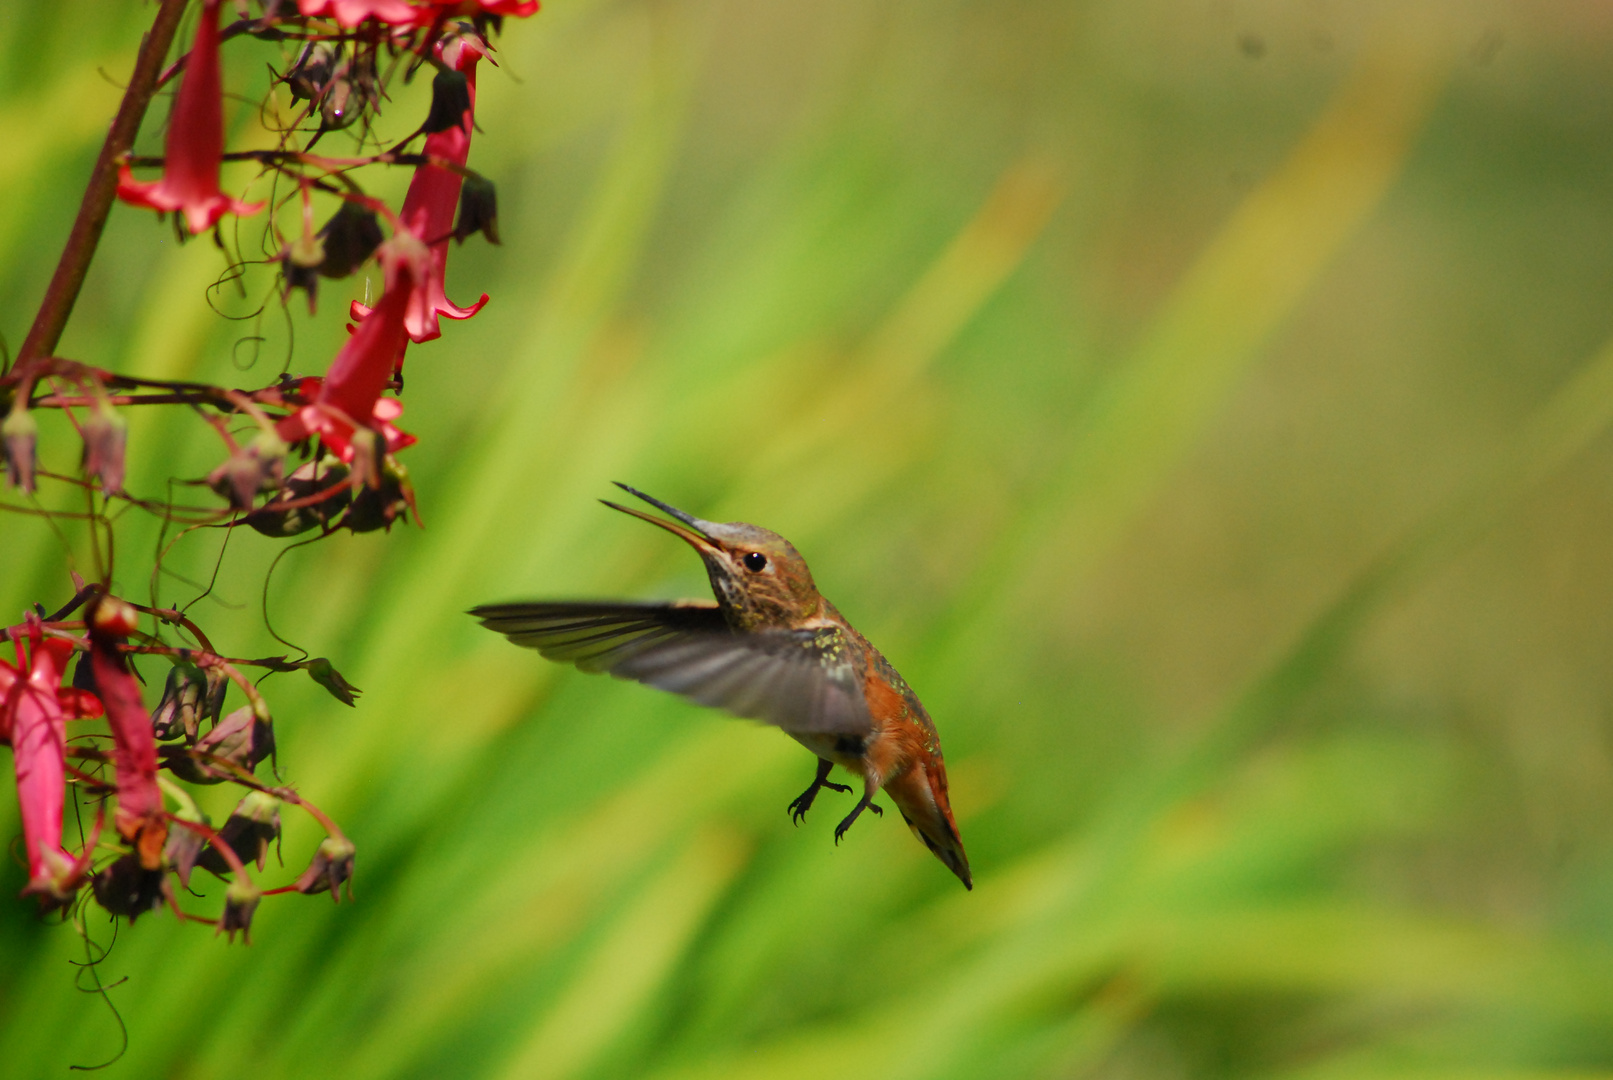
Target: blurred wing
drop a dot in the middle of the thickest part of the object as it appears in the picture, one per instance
(800, 680)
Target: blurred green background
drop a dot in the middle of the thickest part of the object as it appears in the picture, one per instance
(1203, 404)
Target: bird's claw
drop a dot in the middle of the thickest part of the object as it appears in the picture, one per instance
(803, 802)
(845, 826)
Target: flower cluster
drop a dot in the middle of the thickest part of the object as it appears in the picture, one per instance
(159, 833)
(303, 453)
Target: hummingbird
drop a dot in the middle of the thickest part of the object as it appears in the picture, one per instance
(770, 647)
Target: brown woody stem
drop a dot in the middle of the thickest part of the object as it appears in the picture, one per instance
(82, 241)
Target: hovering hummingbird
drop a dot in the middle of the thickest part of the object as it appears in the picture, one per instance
(769, 648)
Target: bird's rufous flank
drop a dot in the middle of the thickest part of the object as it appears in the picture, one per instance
(769, 648)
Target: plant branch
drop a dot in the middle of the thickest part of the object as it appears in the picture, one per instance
(85, 236)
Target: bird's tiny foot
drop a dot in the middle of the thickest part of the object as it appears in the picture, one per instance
(866, 804)
(803, 802)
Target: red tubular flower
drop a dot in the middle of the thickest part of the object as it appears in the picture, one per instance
(428, 208)
(350, 394)
(134, 749)
(38, 734)
(516, 9)
(350, 13)
(195, 144)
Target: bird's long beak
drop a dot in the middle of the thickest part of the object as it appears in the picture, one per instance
(695, 534)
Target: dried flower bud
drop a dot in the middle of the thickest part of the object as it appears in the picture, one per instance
(240, 901)
(350, 237)
(478, 210)
(127, 888)
(340, 106)
(332, 867)
(253, 825)
(84, 675)
(105, 433)
(20, 432)
(251, 469)
(378, 507)
(312, 73)
(450, 101)
(352, 89)
(243, 737)
(367, 449)
(181, 851)
(183, 700)
(299, 266)
(329, 475)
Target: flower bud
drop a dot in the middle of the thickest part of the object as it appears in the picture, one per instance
(20, 432)
(478, 210)
(331, 868)
(323, 672)
(115, 617)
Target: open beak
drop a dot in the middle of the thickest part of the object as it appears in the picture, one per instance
(692, 529)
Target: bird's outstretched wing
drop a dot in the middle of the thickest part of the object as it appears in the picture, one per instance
(800, 680)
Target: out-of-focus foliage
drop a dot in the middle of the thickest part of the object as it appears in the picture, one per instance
(1204, 406)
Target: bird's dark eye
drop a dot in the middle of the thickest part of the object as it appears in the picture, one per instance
(756, 562)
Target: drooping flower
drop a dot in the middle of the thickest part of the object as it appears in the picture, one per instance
(106, 434)
(240, 901)
(38, 736)
(349, 397)
(428, 208)
(195, 144)
(134, 748)
(19, 433)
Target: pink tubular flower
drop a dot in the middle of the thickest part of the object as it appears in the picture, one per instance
(134, 749)
(428, 208)
(38, 735)
(349, 396)
(195, 143)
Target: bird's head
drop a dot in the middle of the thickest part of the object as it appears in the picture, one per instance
(759, 578)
